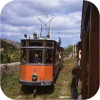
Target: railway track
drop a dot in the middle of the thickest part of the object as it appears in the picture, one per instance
(34, 94)
(44, 91)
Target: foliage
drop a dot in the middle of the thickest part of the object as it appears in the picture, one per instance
(10, 53)
(7, 47)
(5, 58)
(10, 84)
(9, 58)
(12, 89)
(59, 41)
(16, 56)
(68, 50)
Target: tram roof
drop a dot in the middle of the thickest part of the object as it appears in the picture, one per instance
(39, 40)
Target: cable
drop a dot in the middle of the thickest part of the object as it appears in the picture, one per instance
(41, 8)
(43, 11)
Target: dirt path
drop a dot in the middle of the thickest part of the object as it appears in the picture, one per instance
(66, 82)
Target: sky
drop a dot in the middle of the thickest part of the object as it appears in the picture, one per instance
(20, 17)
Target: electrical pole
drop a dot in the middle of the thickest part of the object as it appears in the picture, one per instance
(73, 49)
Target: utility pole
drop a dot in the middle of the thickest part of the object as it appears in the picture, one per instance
(50, 33)
(73, 49)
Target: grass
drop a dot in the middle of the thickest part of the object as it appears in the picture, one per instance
(12, 89)
(10, 84)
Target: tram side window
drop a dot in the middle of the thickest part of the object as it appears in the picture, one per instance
(23, 42)
(23, 55)
(49, 56)
(32, 43)
(35, 56)
(49, 44)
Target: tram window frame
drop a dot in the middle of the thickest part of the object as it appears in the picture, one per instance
(36, 43)
(23, 55)
(23, 42)
(32, 53)
(49, 44)
(49, 59)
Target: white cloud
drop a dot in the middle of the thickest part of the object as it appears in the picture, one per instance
(10, 34)
(69, 20)
(19, 17)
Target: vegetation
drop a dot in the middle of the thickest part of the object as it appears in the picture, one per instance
(9, 58)
(59, 41)
(11, 87)
(10, 84)
(9, 53)
(68, 50)
(7, 47)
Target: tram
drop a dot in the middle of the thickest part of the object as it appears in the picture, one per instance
(45, 70)
(40, 61)
(89, 44)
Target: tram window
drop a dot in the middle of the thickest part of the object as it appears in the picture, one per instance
(49, 44)
(35, 56)
(23, 43)
(32, 43)
(23, 55)
(49, 56)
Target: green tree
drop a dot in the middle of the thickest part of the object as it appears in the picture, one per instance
(5, 57)
(68, 50)
(59, 41)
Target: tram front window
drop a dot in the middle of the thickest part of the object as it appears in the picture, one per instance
(35, 56)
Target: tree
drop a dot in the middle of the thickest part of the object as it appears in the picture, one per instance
(5, 58)
(68, 50)
(59, 41)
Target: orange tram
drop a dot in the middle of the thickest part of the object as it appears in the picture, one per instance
(40, 61)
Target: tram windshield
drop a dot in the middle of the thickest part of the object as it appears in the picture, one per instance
(31, 56)
(35, 56)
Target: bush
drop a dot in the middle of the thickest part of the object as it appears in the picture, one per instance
(5, 58)
(10, 53)
(68, 50)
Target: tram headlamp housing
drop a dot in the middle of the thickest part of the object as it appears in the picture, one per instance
(48, 36)
(25, 35)
(35, 35)
(34, 77)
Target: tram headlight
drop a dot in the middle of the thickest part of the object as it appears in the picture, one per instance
(48, 36)
(25, 35)
(34, 77)
(35, 35)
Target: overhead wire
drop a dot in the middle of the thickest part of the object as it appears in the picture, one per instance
(42, 10)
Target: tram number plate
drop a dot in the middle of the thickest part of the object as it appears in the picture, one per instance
(34, 69)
